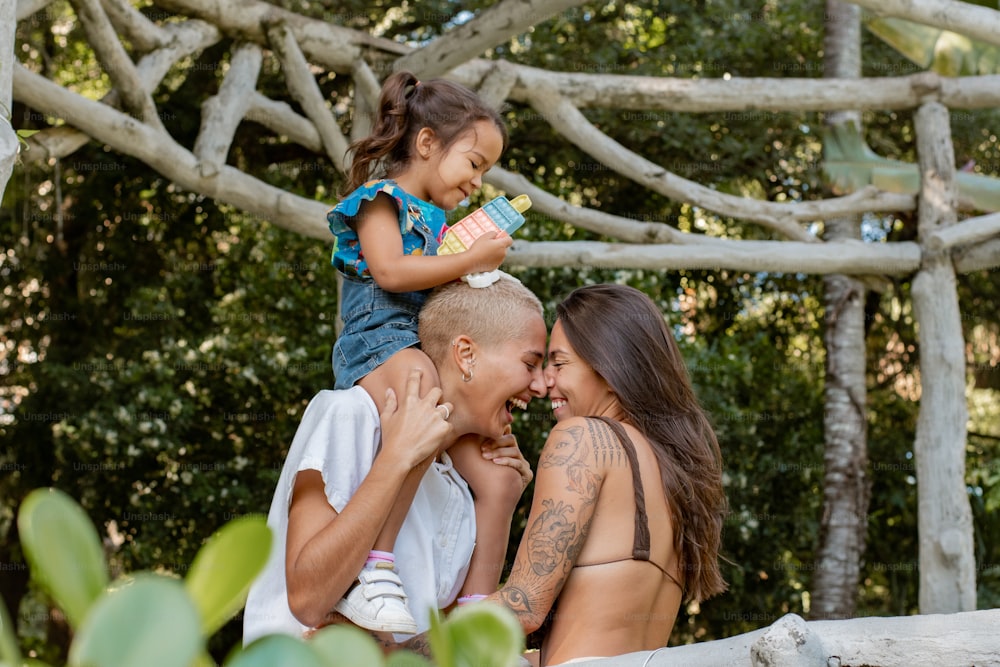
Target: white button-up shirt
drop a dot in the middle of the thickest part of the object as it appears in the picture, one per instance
(339, 436)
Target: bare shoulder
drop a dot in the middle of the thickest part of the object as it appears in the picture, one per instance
(565, 438)
(583, 440)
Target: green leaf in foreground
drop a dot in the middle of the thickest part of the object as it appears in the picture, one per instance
(220, 577)
(407, 659)
(277, 651)
(10, 654)
(346, 646)
(63, 551)
(479, 635)
(151, 621)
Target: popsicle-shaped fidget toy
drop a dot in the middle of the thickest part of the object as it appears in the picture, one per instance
(496, 215)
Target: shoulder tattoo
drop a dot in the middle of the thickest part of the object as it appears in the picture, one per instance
(569, 450)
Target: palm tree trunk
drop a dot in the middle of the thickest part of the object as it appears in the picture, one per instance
(843, 524)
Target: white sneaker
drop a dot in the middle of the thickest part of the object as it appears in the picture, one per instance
(378, 602)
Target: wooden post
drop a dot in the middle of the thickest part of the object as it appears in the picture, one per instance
(944, 517)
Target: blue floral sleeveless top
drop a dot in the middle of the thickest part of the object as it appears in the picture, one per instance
(420, 222)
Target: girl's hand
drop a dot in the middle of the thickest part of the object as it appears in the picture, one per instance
(504, 451)
(488, 252)
(415, 429)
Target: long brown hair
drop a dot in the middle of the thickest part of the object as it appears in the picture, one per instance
(404, 107)
(622, 335)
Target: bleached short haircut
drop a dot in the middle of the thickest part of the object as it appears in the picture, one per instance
(488, 315)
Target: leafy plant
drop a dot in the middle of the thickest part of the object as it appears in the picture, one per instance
(943, 51)
(848, 161)
(850, 165)
(157, 620)
(63, 551)
(477, 635)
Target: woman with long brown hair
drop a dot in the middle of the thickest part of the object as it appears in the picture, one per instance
(628, 507)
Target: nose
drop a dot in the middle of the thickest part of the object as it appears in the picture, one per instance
(477, 180)
(549, 377)
(539, 383)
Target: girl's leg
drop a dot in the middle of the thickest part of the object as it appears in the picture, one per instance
(496, 490)
(379, 602)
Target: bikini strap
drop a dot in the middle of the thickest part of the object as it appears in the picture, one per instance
(640, 541)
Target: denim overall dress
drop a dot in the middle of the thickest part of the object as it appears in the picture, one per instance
(377, 323)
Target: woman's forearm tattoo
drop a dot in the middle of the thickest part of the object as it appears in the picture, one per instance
(555, 537)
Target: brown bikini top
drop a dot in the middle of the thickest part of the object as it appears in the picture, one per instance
(640, 540)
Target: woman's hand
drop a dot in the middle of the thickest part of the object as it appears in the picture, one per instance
(415, 428)
(504, 451)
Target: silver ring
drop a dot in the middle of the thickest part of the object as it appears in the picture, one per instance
(447, 412)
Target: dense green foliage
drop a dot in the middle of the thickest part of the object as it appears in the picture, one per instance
(160, 620)
(159, 348)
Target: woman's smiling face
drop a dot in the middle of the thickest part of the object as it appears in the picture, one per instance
(575, 389)
(507, 376)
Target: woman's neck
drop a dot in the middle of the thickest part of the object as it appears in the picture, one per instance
(612, 409)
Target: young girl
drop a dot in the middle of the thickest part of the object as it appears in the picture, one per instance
(431, 144)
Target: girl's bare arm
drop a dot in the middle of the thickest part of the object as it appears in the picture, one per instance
(382, 245)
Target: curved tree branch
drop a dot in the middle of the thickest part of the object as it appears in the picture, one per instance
(145, 35)
(116, 62)
(280, 118)
(615, 226)
(492, 26)
(847, 257)
(183, 39)
(222, 113)
(131, 137)
(782, 218)
(366, 92)
(569, 122)
(303, 87)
